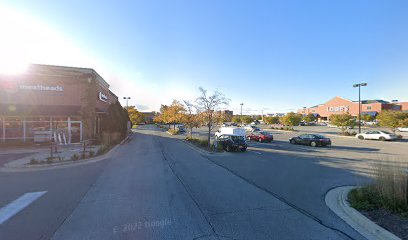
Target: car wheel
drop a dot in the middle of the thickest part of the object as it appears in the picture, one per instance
(228, 149)
(292, 141)
(260, 140)
(313, 144)
(382, 138)
(243, 149)
(361, 137)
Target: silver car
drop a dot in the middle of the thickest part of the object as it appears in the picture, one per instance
(377, 135)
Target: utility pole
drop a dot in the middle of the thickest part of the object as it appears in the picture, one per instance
(359, 85)
(241, 113)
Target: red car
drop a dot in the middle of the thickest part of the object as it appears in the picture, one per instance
(261, 136)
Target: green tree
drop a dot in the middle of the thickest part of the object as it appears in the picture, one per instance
(247, 119)
(392, 119)
(259, 118)
(271, 120)
(175, 113)
(236, 119)
(135, 116)
(309, 118)
(367, 118)
(343, 121)
(291, 119)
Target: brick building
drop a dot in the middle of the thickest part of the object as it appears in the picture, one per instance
(53, 102)
(339, 105)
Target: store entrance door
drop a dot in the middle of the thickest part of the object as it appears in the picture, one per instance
(76, 131)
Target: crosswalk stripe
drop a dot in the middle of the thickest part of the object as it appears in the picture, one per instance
(19, 204)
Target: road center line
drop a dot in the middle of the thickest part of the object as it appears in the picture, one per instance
(19, 204)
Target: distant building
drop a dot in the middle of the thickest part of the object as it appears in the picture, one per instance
(148, 117)
(226, 115)
(339, 105)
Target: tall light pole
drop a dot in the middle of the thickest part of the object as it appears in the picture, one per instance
(359, 85)
(241, 112)
(127, 99)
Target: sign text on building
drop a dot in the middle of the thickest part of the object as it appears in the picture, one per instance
(40, 87)
(338, 109)
(103, 97)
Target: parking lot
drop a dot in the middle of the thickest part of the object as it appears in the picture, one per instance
(363, 154)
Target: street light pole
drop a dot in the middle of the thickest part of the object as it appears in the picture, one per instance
(241, 113)
(127, 99)
(359, 85)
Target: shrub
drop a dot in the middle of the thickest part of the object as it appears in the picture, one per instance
(83, 155)
(49, 160)
(33, 161)
(74, 157)
(103, 149)
(173, 131)
(91, 153)
(389, 191)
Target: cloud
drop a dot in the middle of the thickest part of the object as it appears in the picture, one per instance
(140, 107)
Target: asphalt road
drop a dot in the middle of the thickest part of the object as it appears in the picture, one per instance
(158, 187)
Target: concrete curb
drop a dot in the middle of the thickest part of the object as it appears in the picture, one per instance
(336, 200)
(204, 152)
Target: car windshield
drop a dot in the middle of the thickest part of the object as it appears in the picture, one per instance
(237, 138)
(319, 136)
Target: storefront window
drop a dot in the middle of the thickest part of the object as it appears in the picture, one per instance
(14, 129)
(35, 127)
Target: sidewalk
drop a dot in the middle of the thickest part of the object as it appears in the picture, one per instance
(42, 155)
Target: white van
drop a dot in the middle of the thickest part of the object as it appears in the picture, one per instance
(230, 131)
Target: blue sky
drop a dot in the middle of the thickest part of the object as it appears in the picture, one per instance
(275, 56)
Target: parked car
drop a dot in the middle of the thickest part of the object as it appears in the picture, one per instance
(231, 142)
(377, 135)
(403, 129)
(313, 140)
(334, 126)
(256, 122)
(260, 136)
(234, 124)
(180, 128)
(225, 125)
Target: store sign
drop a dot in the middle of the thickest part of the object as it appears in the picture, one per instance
(40, 87)
(103, 97)
(338, 109)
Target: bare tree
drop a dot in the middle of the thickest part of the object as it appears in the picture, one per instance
(207, 105)
(191, 120)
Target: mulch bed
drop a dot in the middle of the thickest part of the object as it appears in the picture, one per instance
(392, 222)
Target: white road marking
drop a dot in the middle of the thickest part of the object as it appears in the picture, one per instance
(255, 152)
(17, 205)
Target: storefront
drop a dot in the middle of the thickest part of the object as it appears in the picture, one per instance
(53, 103)
(339, 105)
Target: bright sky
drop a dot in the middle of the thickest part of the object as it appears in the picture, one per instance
(275, 56)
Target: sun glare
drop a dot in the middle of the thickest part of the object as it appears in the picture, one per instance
(27, 40)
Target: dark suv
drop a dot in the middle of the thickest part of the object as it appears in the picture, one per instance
(232, 142)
